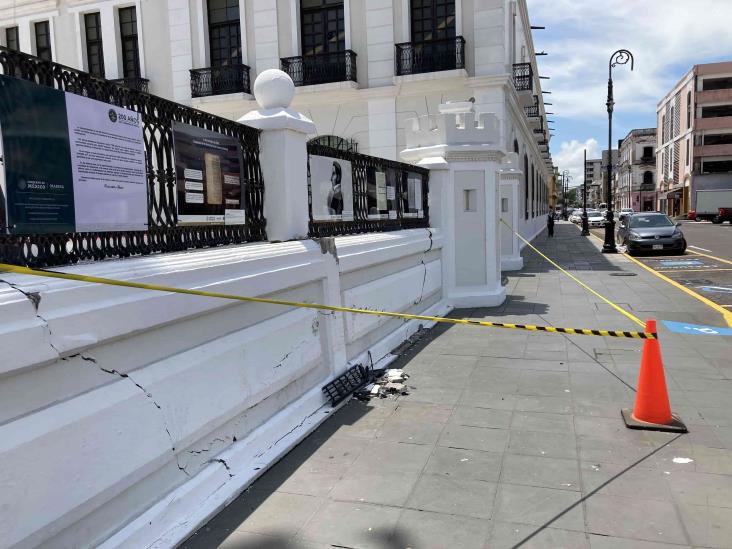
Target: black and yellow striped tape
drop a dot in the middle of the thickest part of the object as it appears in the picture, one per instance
(169, 289)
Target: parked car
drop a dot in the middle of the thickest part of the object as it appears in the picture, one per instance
(595, 219)
(576, 216)
(650, 232)
(724, 214)
(625, 211)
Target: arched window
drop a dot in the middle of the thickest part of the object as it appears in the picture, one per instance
(526, 186)
(533, 191)
(335, 142)
(647, 178)
(515, 146)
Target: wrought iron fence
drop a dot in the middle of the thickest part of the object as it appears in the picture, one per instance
(533, 110)
(133, 83)
(220, 80)
(432, 56)
(365, 217)
(163, 235)
(523, 77)
(321, 68)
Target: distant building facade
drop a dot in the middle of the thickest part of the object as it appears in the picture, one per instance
(694, 137)
(636, 171)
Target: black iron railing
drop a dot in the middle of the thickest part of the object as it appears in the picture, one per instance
(648, 159)
(432, 56)
(533, 110)
(164, 234)
(365, 217)
(134, 83)
(321, 68)
(523, 77)
(220, 80)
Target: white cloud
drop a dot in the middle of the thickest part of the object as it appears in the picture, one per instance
(666, 37)
(571, 157)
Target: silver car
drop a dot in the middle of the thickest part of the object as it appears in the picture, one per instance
(595, 219)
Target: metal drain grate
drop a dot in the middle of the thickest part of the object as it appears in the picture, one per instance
(341, 387)
(623, 274)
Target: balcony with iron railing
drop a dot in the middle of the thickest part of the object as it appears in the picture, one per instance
(134, 83)
(321, 68)
(533, 110)
(220, 80)
(523, 77)
(431, 56)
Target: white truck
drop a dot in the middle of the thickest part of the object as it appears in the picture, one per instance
(709, 202)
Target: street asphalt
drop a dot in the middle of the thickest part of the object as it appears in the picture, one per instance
(514, 439)
(705, 268)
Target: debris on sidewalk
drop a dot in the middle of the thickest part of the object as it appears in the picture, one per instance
(384, 383)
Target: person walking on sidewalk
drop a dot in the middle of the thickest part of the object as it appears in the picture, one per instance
(550, 225)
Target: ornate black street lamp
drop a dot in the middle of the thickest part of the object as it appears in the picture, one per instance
(585, 222)
(620, 57)
(565, 190)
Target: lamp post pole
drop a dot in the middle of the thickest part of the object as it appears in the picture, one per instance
(565, 191)
(620, 57)
(585, 223)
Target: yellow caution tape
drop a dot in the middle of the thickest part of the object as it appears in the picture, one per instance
(578, 281)
(158, 288)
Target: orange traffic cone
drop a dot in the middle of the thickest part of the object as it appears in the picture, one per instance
(652, 410)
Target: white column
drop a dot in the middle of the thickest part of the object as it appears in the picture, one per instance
(283, 155)
(510, 175)
(181, 49)
(380, 42)
(266, 41)
(112, 68)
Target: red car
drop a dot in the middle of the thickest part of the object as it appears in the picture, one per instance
(725, 214)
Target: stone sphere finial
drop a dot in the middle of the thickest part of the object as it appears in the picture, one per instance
(274, 89)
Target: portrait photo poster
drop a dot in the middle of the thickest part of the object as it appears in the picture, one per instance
(331, 184)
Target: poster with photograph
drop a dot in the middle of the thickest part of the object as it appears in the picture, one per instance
(381, 189)
(412, 197)
(208, 167)
(71, 164)
(331, 185)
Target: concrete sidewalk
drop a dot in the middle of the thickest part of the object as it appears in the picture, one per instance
(515, 439)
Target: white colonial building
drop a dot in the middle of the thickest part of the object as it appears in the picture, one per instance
(636, 171)
(361, 67)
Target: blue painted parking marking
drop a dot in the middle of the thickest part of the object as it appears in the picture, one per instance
(696, 329)
(717, 289)
(681, 263)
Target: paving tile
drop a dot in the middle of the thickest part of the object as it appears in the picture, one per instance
(544, 404)
(352, 525)
(545, 423)
(394, 457)
(474, 438)
(708, 526)
(508, 535)
(562, 474)
(611, 542)
(454, 496)
(464, 464)
(481, 417)
(435, 395)
(538, 506)
(635, 518)
(700, 488)
(410, 431)
(382, 488)
(439, 531)
(482, 398)
(641, 479)
(543, 383)
(534, 443)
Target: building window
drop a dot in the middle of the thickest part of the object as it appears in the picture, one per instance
(716, 139)
(94, 50)
(716, 111)
(688, 110)
(43, 40)
(224, 32)
(323, 26)
(647, 152)
(647, 178)
(11, 39)
(687, 151)
(130, 48)
(433, 20)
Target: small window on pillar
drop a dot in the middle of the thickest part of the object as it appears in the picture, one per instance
(504, 205)
(469, 200)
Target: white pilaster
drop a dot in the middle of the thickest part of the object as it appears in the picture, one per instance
(382, 127)
(267, 53)
(510, 174)
(181, 49)
(380, 42)
(283, 155)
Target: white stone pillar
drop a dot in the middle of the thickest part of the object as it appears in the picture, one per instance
(510, 174)
(283, 155)
(459, 148)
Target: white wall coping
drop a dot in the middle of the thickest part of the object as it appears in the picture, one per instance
(357, 251)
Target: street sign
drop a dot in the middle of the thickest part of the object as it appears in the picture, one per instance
(696, 329)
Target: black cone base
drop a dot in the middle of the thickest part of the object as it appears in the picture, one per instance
(676, 425)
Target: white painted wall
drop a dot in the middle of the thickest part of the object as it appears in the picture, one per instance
(117, 405)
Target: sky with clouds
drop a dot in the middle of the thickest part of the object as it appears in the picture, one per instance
(666, 37)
